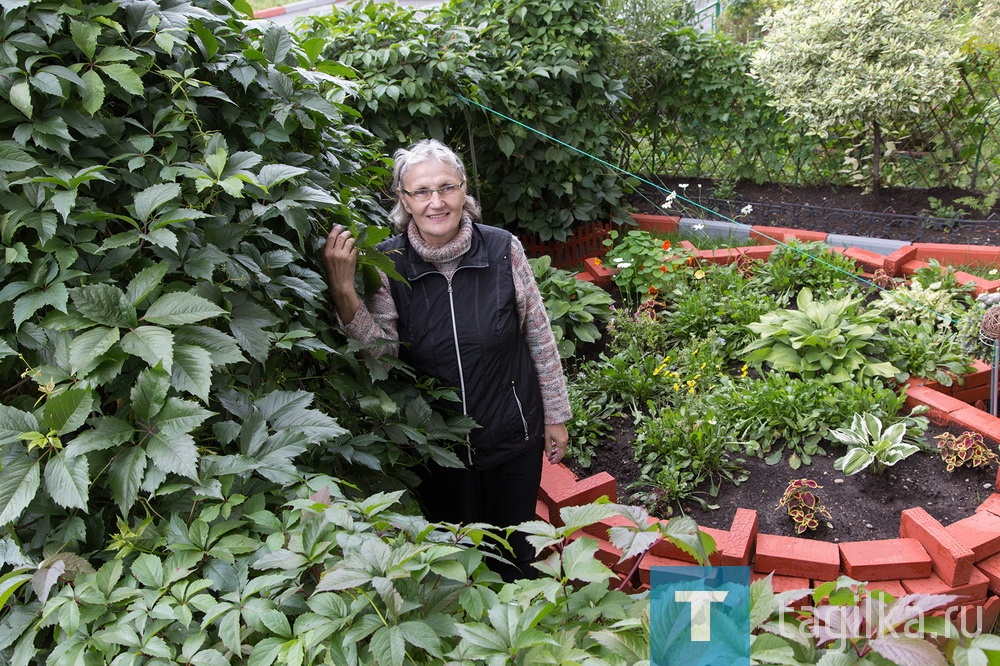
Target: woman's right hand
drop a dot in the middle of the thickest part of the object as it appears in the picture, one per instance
(340, 259)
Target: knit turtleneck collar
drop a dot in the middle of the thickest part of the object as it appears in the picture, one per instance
(450, 251)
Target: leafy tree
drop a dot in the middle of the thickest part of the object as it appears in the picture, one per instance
(522, 67)
(869, 61)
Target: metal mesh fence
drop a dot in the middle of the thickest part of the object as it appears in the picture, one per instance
(955, 144)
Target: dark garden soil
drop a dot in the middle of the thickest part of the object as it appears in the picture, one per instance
(826, 208)
(863, 506)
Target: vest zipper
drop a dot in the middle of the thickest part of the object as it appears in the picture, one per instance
(458, 358)
(520, 410)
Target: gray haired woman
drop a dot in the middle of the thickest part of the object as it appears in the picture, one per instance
(472, 317)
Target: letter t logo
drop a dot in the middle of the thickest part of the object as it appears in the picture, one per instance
(700, 600)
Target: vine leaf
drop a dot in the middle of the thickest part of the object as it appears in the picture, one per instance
(67, 480)
(178, 308)
(19, 482)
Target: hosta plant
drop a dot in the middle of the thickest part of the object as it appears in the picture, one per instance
(965, 450)
(869, 445)
(832, 340)
(803, 505)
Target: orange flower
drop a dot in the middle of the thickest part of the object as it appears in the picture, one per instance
(690, 261)
(597, 261)
(652, 289)
(663, 268)
(666, 245)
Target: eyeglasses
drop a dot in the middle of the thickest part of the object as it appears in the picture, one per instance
(425, 194)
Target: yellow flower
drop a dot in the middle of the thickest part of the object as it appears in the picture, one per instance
(677, 387)
(699, 274)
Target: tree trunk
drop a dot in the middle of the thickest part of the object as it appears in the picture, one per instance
(876, 157)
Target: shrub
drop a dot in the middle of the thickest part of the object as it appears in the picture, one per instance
(540, 63)
(172, 372)
(832, 63)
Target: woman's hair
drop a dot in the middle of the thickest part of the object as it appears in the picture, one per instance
(422, 151)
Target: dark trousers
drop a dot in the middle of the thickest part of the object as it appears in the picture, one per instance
(504, 496)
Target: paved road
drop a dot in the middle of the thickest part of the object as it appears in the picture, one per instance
(289, 12)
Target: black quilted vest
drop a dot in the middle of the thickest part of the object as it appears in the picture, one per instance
(490, 363)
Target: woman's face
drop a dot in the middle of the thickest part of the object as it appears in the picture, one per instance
(439, 217)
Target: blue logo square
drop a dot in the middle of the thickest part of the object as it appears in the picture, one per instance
(699, 616)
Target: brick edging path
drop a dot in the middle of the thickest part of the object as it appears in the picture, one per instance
(962, 558)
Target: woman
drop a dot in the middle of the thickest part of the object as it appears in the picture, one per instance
(471, 316)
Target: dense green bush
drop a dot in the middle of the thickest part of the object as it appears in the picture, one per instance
(197, 466)
(494, 80)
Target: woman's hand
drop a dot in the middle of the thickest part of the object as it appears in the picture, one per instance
(556, 440)
(340, 259)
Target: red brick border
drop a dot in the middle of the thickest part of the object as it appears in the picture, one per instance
(962, 558)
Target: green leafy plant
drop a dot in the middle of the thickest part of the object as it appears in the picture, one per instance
(680, 449)
(938, 209)
(848, 622)
(933, 295)
(868, 444)
(803, 505)
(982, 205)
(779, 415)
(244, 581)
(646, 266)
(965, 450)
(591, 420)
(721, 304)
(642, 327)
(795, 265)
(631, 376)
(576, 308)
(460, 73)
(924, 350)
(829, 340)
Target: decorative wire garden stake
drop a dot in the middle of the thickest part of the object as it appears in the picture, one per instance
(989, 332)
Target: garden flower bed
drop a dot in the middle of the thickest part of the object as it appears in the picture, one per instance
(961, 558)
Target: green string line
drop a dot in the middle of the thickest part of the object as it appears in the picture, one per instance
(697, 205)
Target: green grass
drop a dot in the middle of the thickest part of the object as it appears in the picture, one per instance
(985, 271)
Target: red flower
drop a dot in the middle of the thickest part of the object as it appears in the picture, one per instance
(652, 289)
(663, 268)
(666, 245)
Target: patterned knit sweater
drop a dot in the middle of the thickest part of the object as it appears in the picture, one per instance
(377, 317)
